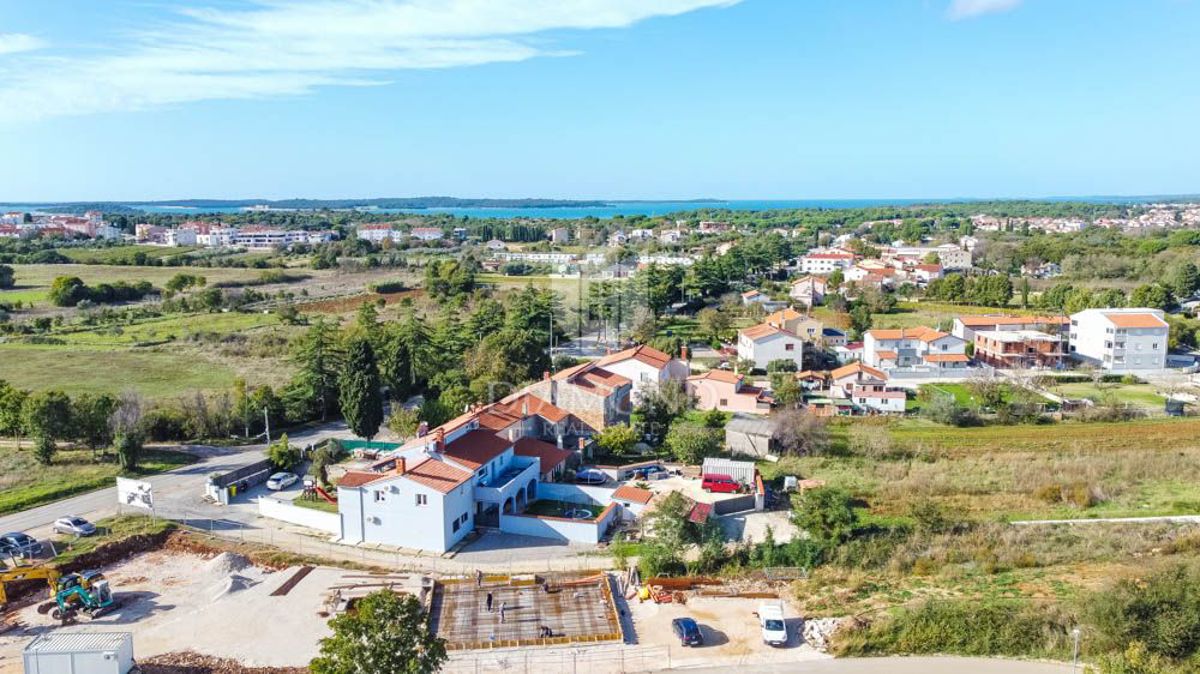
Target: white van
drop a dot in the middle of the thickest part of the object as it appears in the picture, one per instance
(774, 627)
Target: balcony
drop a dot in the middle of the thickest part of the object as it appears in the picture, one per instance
(508, 481)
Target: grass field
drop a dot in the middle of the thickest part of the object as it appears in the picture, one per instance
(167, 328)
(24, 483)
(931, 314)
(33, 280)
(118, 253)
(567, 288)
(1146, 467)
(1142, 395)
(155, 373)
(963, 396)
(315, 504)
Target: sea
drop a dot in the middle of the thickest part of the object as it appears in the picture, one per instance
(618, 208)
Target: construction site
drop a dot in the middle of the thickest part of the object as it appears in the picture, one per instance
(185, 597)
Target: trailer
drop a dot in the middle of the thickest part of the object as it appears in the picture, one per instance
(80, 653)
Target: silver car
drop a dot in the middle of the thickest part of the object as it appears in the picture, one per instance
(74, 526)
(281, 481)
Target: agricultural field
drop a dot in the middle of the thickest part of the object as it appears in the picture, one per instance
(24, 483)
(166, 329)
(963, 396)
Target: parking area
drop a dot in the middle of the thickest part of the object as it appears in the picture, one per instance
(689, 487)
(729, 628)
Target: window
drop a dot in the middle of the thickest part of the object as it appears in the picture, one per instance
(464, 518)
(789, 347)
(422, 499)
(724, 402)
(379, 496)
(1154, 346)
(455, 526)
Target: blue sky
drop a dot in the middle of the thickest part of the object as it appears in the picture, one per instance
(648, 99)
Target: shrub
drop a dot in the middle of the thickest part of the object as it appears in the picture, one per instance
(1161, 611)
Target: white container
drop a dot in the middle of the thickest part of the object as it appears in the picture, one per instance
(80, 653)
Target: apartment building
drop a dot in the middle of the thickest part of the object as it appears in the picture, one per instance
(1019, 349)
(919, 348)
(826, 262)
(1120, 340)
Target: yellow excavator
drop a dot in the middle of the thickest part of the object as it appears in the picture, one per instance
(87, 592)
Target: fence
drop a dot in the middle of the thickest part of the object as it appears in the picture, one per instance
(305, 517)
(578, 660)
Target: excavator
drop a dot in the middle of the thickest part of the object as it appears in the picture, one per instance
(70, 594)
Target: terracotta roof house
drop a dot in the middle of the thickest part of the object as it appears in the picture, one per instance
(646, 367)
(920, 348)
(765, 343)
(725, 391)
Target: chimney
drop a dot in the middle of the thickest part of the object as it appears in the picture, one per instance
(582, 443)
(554, 392)
(441, 439)
(683, 353)
(401, 466)
(559, 440)
(545, 375)
(422, 429)
(525, 407)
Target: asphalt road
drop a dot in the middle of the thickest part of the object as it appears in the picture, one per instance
(914, 665)
(184, 485)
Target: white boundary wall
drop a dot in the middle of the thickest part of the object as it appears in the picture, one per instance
(305, 517)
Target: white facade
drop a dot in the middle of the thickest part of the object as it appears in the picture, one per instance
(819, 262)
(647, 368)
(763, 344)
(182, 236)
(878, 398)
(378, 233)
(427, 233)
(1120, 340)
(914, 348)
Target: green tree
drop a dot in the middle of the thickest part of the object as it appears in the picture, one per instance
(827, 515)
(12, 404)
(386, 634)
(690, 443)
(1184, 282)
(318, 360)
(47, 417)
(714, 324)
(67, 291)
(283, 454)
(404, 422)
(617, 440)
(7, 279)
(90, 420)
(129, 450)
(360, 396)
(1153, 296)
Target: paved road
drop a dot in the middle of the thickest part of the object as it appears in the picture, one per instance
(916, 665)
(176, 487)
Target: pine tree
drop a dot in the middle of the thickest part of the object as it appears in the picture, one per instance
(319, 359)
(360, 398)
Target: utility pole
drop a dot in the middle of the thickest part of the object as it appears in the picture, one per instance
(267, 425)
(1075, 658)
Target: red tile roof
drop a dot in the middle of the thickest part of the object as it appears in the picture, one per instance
(358, 478)
(634, 494)
(992, 320)
(724, 376)
(856, 367)
(497, 418)
(550, 456)
(593, 378)
(475, 448)
(1147, 320)
(947, 358)
(922, 333)
(523, 403)
(438, 475)
(642, 353)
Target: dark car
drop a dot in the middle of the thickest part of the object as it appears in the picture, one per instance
(19, 544)
(688, 632)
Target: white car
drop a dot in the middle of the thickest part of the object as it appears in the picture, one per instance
(774, 627)
(74, 526)
(281, 481)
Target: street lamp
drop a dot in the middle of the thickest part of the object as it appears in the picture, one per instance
(1075, 657)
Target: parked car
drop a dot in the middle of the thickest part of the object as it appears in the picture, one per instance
(650, 473)
(591, 476)
(17, 544)
(688, 632)
(774, 627)
(281, 481)
(722, 484)
(74, 526)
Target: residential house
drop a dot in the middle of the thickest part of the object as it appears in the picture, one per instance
(845, 378)
(617, 238)
(496, 245)
(560, 235)
(670, 236)
(866, 387)
(634, 500)
(765, 343)
(803, 325)
(920, 348)
(646, 367)
(826, 262)
(597, 397)
(754, 297)
(1120, 340)
(427, 233)
(641, 234)
(809, 291)
(833, 337)
(924, 273)
(726, 391)
(377, 233)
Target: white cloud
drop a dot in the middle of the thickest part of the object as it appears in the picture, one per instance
(966, 9)
(271, 48)
(13, 43)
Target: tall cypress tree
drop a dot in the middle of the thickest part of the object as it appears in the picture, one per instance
(361, 401)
